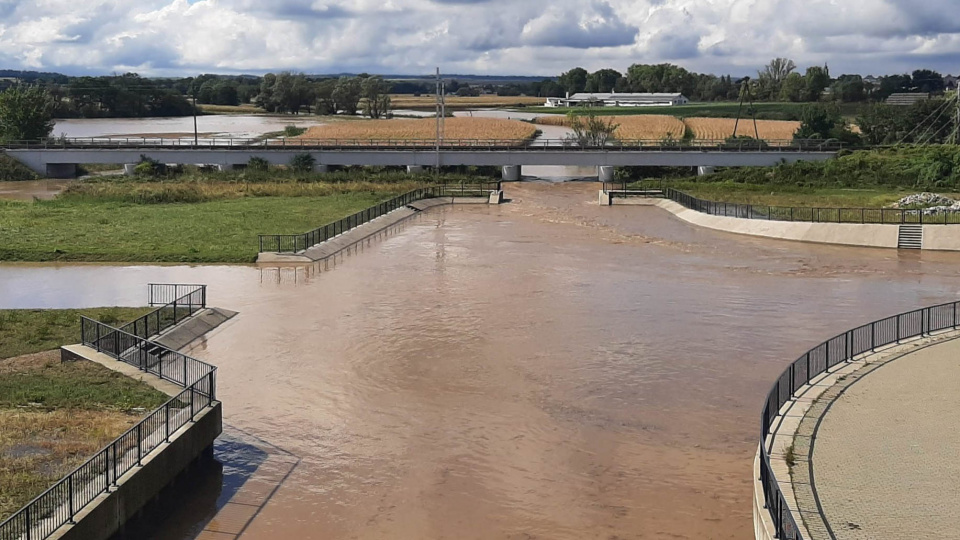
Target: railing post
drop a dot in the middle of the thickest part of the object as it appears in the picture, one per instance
(898, 329)
(166, 414)
(29, 526)
(97, 326)
(174, 312)
(70, 497)
(115, 459)
(192, 391)
(140, 444)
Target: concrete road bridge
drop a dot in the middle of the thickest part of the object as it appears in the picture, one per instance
(60, 157)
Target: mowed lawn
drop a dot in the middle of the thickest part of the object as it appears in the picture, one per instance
(216, 231)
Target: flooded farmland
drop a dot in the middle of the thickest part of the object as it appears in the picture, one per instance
(544, 369)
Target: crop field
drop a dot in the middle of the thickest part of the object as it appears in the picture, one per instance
(722, 128)
(407, 101)
(424, 129)
(652, 127)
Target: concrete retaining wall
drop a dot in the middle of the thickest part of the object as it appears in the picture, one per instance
(848, 234)
(941, 237)
(107, 513)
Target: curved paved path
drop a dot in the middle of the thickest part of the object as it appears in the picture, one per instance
(884, 459)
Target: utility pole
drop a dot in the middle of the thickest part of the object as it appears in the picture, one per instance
(441, 114)
(196, 135)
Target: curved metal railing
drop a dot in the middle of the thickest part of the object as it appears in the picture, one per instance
(819, 360)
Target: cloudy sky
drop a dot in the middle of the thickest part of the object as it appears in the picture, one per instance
(519, 37)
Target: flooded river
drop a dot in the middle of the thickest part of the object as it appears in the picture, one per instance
(545, 369)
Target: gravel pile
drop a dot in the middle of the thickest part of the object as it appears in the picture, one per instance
(932, 203)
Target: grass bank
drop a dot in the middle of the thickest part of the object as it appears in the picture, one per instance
(196, 217)
(54, 416)
(800, 196)
(916, 168)
(27, 331)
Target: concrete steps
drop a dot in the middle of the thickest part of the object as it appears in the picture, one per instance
(911, 237)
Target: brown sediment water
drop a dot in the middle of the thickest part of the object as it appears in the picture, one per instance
(32, 189)
(548, 368)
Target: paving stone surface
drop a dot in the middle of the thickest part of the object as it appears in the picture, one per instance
(884, 442)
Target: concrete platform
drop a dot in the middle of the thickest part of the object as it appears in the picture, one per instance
(873, 449)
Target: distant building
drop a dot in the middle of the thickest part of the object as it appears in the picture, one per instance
(950, 82)
(617, 100)
(907, 99)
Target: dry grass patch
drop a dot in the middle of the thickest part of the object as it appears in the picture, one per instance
(722, 128)
(424, 129)
(642, 127)
(55, 416)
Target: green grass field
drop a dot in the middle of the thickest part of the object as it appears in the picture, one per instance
(722, 109)
(214, 231)
(27, 331)
(823, 197)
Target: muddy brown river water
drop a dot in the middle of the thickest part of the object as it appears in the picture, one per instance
(545, 369)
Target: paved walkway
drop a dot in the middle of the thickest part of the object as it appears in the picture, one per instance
(885, 444)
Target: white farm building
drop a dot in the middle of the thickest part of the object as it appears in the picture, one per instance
(617, 100)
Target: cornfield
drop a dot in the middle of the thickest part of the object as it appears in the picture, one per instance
(722, 128)
(465, 129)
(659, 127)
(646, 127)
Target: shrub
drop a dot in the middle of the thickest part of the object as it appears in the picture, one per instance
(258, 164)
(293, 131)
(303, 163)
(13, 170)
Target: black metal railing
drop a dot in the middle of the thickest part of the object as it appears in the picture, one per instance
(293, 243)
(59, 505)
(448, 144)
(176, 302)
(821, 359)
(814, 214)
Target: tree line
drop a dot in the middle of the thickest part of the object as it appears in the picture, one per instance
(292, 93)
(777, 81)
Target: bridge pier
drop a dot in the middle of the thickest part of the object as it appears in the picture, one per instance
(511, 173)
(129, 169)
(323, 169)
(704, 170)
(605, 173)
(415, 169)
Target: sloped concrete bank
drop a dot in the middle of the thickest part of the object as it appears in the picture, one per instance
(336, 245)
(935, 237)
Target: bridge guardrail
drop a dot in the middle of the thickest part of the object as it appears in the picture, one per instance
(819, 360)
(812, 214)
(294, 243)
(58, 505)
(538, 145)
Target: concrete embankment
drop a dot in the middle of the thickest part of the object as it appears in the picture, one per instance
(339, 243)
(935, 237)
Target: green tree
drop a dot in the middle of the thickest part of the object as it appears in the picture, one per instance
(770, 78)
(817, 79)
(849, 89)
(824, 121)
(325, 104)
(589, 130)
(604, 80)
(376, 97)
(26, 114)
(346, 95)
(931, 82)
(794, 88)
(574, 80)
